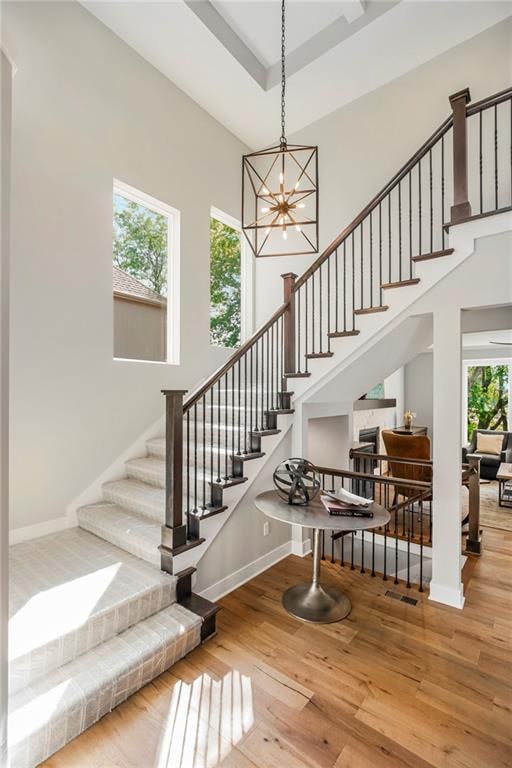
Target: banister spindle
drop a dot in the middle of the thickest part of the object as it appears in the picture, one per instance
(174, 532)
(474, 540)
(461, 208)
(289, 321)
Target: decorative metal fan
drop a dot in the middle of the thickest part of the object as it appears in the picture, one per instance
(296, 481)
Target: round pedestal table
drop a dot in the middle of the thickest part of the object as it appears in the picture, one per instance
(311, 601)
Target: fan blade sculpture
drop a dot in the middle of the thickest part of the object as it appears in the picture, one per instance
(296, 481)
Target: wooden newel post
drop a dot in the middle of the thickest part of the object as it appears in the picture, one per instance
(174, 532)
(461, 208)
(474, 541)
(289, 323)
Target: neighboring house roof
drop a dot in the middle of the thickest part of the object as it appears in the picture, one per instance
(130, 287)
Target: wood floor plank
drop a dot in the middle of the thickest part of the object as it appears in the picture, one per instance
(392, 686)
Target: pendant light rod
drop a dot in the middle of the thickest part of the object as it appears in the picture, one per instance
(283, 73)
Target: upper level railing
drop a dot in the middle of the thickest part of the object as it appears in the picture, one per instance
(464, 167)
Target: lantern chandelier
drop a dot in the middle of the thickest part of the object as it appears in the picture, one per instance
(280, 190)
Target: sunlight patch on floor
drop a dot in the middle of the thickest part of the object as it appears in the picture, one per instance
(206, 719)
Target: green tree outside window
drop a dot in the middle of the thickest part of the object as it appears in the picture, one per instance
(140, 243)
(488, 394)
(225, 298)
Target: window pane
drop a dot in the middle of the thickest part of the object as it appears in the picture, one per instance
(225, 297)
(140, 257)
(488, 394)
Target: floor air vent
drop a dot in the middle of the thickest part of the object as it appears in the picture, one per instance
(403, 598)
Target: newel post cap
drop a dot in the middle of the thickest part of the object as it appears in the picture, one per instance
(464, 94)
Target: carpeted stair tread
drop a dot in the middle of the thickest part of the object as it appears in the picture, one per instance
(71, 591)
(134, 533)
(46, 715)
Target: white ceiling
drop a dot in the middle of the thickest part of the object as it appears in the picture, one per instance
(225, 53)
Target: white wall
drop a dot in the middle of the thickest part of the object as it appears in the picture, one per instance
(362, 145)
(5, 161)
(86, 109)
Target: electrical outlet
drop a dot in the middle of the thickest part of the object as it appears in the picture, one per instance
(266, 528)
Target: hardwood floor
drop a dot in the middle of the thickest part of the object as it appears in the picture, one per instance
(393, 685)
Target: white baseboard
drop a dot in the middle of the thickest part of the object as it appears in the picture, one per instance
(246, 573)
(439, 593)
(300, 548)
(17, 535)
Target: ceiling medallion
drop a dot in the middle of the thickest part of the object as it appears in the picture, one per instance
(280, 191)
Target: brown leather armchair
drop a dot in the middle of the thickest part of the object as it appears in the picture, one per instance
(407, 447)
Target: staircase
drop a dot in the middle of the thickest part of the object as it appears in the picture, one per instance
(174, 500)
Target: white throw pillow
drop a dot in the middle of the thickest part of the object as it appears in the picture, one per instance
(489, 443)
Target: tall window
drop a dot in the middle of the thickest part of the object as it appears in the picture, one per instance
(488, 401)
(145, 271)
(225, 281)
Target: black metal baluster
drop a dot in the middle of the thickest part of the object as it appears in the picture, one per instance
(219, 422)
(362, 552)
(396, 547)
(299, 362)
(320, 302)
(385, 554)
(373, 552)
(328, 303)
(380, 253)
(419, 207)
(431, 201)
(342, 550)
(336, 292)
(246, 421)
(212, 390)
(188, 461)
(409, 547)
(421, 545)
(323, 545)
(400, 231)
(345, 285)
(233, 416)
(443, 234)
(352, 553)
(353, 282)
(262, 345)
(226, 435)
(313, 313)
(362, 264)
(496, 157)
(204, 451)
(390, 278)
(251, 387)
(195, 457)
(239, 406)
(306, 323)
(371, 258)
(409, 176)
(480, 163)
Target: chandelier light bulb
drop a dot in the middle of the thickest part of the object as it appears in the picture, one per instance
(297, 184)
(264, 191)
(264, 210)
(298, 228)
(301, 205)
(281, 178)
(285, 233)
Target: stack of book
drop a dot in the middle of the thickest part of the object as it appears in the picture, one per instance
(346, 504)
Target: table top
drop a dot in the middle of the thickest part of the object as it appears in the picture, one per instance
(314, 515)
(504, 471)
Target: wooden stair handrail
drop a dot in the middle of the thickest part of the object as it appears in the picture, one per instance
(379, 197)
(489, 101)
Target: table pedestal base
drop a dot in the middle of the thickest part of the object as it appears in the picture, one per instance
(316, 603)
